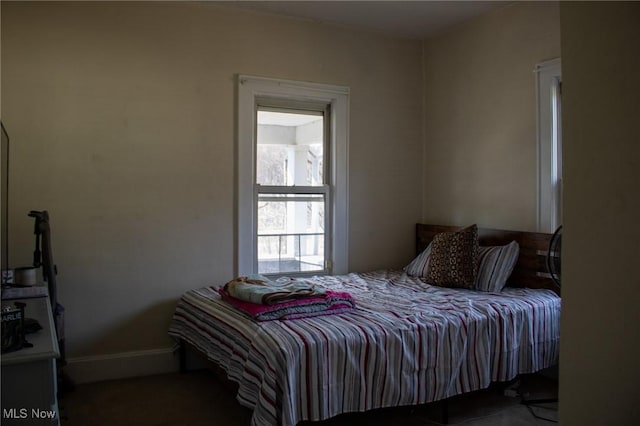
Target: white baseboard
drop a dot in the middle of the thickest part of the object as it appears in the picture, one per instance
(97, 368)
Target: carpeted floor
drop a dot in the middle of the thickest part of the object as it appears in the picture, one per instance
(197, 398)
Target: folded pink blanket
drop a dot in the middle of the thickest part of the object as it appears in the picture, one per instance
(333, 302)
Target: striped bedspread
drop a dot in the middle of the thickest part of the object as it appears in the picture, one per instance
(405, 343)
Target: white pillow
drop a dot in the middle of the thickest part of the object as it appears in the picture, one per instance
(495, 265)
(419, 266)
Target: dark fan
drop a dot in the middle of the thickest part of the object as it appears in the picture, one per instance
(553, 256)
(554, 268)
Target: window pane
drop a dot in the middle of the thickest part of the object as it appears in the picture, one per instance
(290, 148)
(291, 233)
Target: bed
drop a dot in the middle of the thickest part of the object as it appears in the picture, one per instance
(405, 343)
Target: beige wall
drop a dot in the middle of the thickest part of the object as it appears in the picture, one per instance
(122, 124)
(480, 118)
(600, 344)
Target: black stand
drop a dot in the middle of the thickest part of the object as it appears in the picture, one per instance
(44, 258)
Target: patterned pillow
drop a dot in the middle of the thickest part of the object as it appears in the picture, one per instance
(418, 266)
(495, 266)
(454, 259)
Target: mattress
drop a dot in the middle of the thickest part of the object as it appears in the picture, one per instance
(405, 343)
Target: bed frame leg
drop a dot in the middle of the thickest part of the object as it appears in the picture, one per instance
(445, 411)
(182, 354)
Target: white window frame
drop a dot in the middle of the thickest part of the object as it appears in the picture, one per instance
(549, 145)
(250, 90)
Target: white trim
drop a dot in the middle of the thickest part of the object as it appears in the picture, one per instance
(548, 77)
(249, 89)
(279, 87)
(97, 368)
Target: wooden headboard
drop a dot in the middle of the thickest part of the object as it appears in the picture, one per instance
(530, 270)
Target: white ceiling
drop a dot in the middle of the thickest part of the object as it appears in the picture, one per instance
(412, 19)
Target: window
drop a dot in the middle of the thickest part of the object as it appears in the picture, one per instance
(549, 87)
(292, 201)
(291, 191)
